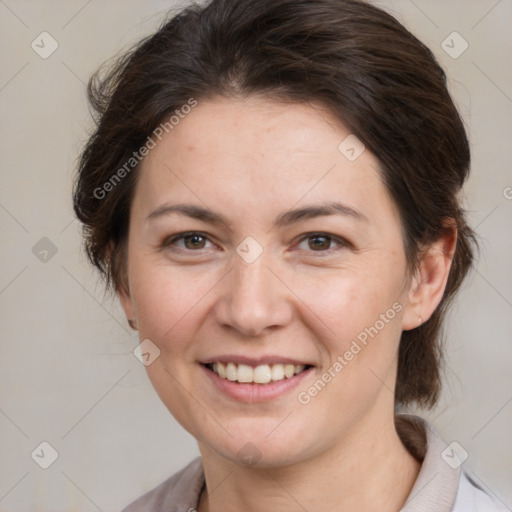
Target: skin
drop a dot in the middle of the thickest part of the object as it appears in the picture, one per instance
(250, 160)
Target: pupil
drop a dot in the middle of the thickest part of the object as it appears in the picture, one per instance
(319, 246)
(194, 239)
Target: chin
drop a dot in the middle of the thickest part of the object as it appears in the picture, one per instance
(256, 456)
(255, 448)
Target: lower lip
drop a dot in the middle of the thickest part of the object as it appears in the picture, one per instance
(251, 393)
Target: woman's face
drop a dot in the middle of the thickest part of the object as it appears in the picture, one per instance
(325, 286)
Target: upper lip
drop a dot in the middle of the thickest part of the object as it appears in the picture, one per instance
(254, 361)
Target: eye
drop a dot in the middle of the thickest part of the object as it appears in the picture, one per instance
(321, 242)
(195, 241)
(190, 241)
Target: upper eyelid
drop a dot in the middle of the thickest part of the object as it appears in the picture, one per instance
(185, 234)
(340, 240)
(336, 238)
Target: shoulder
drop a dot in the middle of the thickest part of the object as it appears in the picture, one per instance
(442, 483)
(472, 498)
(180, 492)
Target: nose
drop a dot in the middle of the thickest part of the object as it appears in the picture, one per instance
(254, 299)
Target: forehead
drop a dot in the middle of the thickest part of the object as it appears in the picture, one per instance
(260, 154)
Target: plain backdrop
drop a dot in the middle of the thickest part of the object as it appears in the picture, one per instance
(69, 377)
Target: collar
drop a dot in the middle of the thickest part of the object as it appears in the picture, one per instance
(436, 486)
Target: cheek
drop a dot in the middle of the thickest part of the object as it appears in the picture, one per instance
(172, 306)
(358, 326)
(359, 329)
(348, 301)
(162, 298)
(168, 304)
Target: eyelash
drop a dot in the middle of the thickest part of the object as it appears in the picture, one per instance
(342, 242)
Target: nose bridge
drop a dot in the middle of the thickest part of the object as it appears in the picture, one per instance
(253, 299)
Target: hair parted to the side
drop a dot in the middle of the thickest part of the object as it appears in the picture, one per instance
(355, 59)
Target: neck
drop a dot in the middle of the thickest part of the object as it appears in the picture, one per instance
(370, 469)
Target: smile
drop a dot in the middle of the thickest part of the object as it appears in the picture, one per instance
(253, 383)
(261, 374)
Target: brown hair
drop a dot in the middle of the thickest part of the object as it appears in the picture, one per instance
(354, 58)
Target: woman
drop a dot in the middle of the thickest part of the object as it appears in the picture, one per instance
(272, 191)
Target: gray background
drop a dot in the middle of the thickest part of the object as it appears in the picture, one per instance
(68, 373)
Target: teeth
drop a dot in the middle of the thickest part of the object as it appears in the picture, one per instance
(244, 373)
(221, 370)
(231, 373)
(262, 374)
(289, 370)
(277, 372)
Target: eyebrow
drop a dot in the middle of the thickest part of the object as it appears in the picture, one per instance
(284, 219)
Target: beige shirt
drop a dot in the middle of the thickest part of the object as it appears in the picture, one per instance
(441, 485)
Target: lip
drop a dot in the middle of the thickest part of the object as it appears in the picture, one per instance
(254, 393)
(252, 361)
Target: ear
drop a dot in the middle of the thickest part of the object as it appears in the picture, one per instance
(127, 304)
(123, 292)
(427, 287)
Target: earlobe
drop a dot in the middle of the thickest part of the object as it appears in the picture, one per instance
(123, 288)
(429, 282)
(127, 305)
